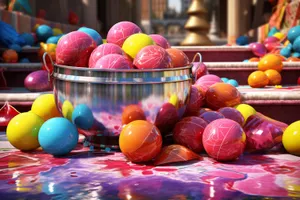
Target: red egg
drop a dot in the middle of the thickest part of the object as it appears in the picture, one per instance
(197, 99)
(112, 61)
(175, 153)
(199, 69)
(152, 57)
(160, 41)
(222, 95)
(38, 81)
(188, 132)
(258, 49)
(210, 116)
(132, 113)
(224, 140)
(166, 118)
(102, 50)
(119, 32)
(74, 49)
(208, 80)
(179, 58)
(140, 141)
(271, 46)
(233, 114)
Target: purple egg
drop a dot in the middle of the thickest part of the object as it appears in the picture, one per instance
(271, 39)
(258, 49)
(112, 61)
(38, 81)
(160, 41)
(102, 50)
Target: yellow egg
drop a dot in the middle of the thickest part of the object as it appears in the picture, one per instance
(246, 110)
(134, 43)
(174, 100)
(45, 107)
(22, 131)
(291, 138)
(279, 35)
(67, 110)
(57, 31)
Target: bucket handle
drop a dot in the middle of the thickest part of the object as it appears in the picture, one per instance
(197, 67)
(46, 66)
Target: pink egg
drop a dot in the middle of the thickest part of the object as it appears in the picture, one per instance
(199, 69)
(119, 32)
(74, 49)
(102, 50)
(271, 39)
(37, 81)
(112, 61)
(258, 49)
(152, 57)
(270, 46)
(224, 140)
(208, 80)
(160, 41)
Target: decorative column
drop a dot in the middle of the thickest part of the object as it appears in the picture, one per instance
(197, 25)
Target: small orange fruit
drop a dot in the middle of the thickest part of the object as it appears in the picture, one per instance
(258, 79)
(273, 76)
(270, 61)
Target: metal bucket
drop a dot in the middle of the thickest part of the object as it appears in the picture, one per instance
(107, 92)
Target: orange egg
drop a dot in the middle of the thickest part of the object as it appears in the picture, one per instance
(132, 113)
(270, 61)
(258, 79)
(293, 59)
(10, 56)
(140, 141)
(282, 57)
(179, 58)
(254, 59)
(222, 95)
(273, 76)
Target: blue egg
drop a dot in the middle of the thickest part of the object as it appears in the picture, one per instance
(52, 40)
(82, 117)
(242, 40)
(296, 45)
(296, 54)
(94, 34)
(246, 60)
(289, 46)
(293, 33)
(43, 32)
(224, 79)
(24, 60)
(273, 31)
(285, 52)
(233, 82)
(58, 136)
(29, 39)
(15, 47)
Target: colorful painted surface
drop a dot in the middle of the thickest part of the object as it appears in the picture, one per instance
(94, 175)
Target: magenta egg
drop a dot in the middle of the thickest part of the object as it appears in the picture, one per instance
(119, 32)
(233, 114)
(188, 132)
(74, 49)
(224, 140)
(152, 57)
(166, 118)
(112, 61)
(210, 116)
(270, 46)
(102, 50)
(160, 41)
(208, 80)
(38, 81)
(199, 69)
(196, 101)
(258, 49)
(271, 39)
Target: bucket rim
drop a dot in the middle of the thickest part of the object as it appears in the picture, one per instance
(122, 70)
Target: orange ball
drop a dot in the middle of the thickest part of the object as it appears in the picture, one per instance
(140, 141)
(132, 113)
(258, 79)
(293, 59)
(10, 56)
(179, 58)
(254, 59)
(221, 95)
(270, 61)
(273, 76)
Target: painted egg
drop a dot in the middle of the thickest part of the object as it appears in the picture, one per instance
(291, 138)
(166, 118)
(119, 32)
(254, 59)
(271, 39)
(112, 61)
(293, 33)
(224, 140)
(272, 46)
(179, 58)
(210, 116)
(270, 61)
(188, 132)
(258, 79)
(273, 76)
(199, 69)
(222, 95)
(258, 49)
(140, 141)
(197, 99)
(93, 33)
(10, 56)
(296, 45)
(286, 52)
(208, 80)
(38, 81)
(132, 113)
(233, 114)
(160, 41)
(74, 49)
(152, 57)
(102, 50)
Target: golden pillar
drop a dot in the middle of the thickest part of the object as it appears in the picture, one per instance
(197, 25)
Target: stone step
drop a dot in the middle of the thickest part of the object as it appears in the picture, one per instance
(278, 103)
